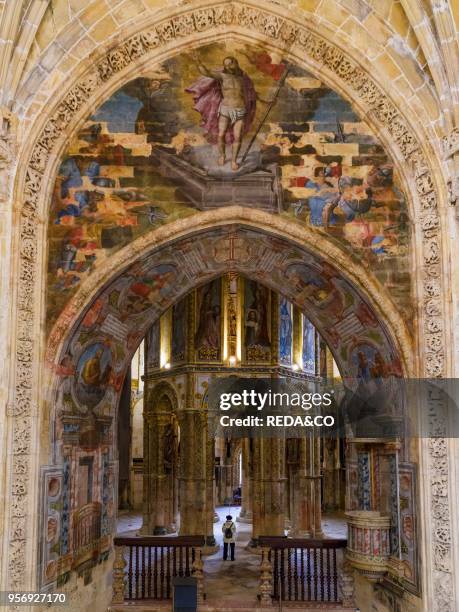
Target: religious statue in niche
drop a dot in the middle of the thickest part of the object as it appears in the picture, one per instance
(153, 346)
(170, 447)
(179, 330)
(309, 347)
(257, 341)
(208, 334)
(285, 332)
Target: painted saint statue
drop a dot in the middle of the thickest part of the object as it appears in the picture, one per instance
(226, 100)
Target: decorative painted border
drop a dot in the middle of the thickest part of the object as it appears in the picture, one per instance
(280, 31)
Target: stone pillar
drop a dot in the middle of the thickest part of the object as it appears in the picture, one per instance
(306, 518)
(227, 474)
(245, 516)
(268, 488)
(159, 459)
(146, 500)
(171, 466)
(332, 489)
(157, 492)
(192, 479)
(210, 545)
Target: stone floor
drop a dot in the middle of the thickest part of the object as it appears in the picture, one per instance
(233, 585)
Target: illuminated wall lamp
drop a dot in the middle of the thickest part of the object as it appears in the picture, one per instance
(232, 360)
(167, 366)
(295, 367)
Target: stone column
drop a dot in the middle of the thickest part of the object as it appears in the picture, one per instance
(146, 497)
(171, 443)
(227, 474)
(211, 545)
(157, 490)
(268, 488)
(306, 518)
(159, 456)
(245, 516)
(332, 489)
(192, 479)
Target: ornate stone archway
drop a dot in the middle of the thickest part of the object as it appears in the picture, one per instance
(399, 135)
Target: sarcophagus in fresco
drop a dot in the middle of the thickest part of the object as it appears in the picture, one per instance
(213, 187)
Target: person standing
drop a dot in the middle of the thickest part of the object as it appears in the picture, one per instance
(229, 531)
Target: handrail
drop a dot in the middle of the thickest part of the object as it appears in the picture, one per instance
(159, 541)
(283, 542)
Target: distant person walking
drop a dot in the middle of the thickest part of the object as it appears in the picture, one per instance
(229, 530)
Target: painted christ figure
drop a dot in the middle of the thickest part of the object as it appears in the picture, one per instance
(226, 100)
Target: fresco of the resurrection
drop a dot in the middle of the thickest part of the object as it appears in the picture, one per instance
(227, 124)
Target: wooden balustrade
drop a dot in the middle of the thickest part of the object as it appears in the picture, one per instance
(300, 569)
(145, 566)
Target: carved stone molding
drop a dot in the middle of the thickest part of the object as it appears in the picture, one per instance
(285, 33)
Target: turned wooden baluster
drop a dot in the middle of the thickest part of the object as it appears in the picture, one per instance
(130, 573)
(174, 560)
(149, 572)
(168, 572)
(303, 577)
(276, 573)
(322, 575)
(136, 572)
(155, 573)
(162, 572)
(295, 573)
(335, 577)
(309, 576)
(315, 574)
(282, 574)
(143, 573)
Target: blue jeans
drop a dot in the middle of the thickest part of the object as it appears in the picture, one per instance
(225, 550)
